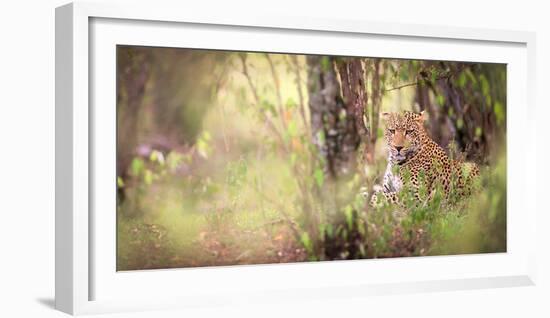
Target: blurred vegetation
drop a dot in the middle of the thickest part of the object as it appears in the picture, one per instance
(230, 158)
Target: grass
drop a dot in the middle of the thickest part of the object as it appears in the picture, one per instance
(241, 222)
(230, 215)
(237, 197)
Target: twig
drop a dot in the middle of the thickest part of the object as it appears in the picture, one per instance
(267, 120)
(271, 125)
(293, 225)
(249, 79)
(403, 86)
(445, 76)
(272, 222)
(277, 90)
(296, 68)
(219, 83)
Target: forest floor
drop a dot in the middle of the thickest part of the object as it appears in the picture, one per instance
(153, 247)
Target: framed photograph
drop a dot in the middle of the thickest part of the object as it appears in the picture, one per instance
(205, 159)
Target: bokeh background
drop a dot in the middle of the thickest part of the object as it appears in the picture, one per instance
(230, 158)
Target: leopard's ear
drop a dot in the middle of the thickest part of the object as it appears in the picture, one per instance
(385, 115)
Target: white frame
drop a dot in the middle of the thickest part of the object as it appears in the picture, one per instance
(73, 169)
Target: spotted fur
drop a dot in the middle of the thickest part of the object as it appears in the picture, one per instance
(410, 147)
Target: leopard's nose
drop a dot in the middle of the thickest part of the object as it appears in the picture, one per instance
(398, 148)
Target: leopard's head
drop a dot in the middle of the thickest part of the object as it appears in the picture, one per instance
(403, 134)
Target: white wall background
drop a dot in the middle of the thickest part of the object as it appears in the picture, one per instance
(27, 158)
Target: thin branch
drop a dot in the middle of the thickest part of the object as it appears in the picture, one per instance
(281, 208)
(266, 118)
(296, 68)
(403, 86)
(277, 89)
(249, 79)
(219, 84)
(423, 81)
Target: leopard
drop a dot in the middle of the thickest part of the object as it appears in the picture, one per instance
(411, 149)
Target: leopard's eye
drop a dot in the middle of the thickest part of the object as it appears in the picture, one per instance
(408, 132)
(392, 131)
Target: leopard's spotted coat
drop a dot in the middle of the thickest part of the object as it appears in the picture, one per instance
(411, 148)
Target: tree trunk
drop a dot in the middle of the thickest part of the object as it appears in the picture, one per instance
(336, 114)
(133, 72)
(464, 111)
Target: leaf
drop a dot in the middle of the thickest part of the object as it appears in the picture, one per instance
(461, 80)
(471, 77)
(440, 100)
(120, 182)
(243, 168)
(319, 177)
(306, 242)
(342, 115)
(137, 166)
(325, 64)
(459, 123)
(148, 177)
(268, 107)
(478, 132)
(174, 159)
(348, 211)
(329, 230)
(202, 144)
(202, 148)
(290, 103)
(498, 108)
(433, 77)
(321, 137)
(157, 156)
(451, 112)
(484, 85)
(292, 128)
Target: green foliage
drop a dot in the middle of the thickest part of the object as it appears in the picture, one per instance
(321, 137)
(137, 166)
(459, 123)
(237, 173)
(292, 129)
(120, 182)
(269, 107)
(440, 100)
(249, 184)
(461, 80)
(308, 245)
(478, 132)
(319, 176)
(203, 146)
(326, 63)
(174, 160)
(439, 225)
(291, 103)
(499, 112)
